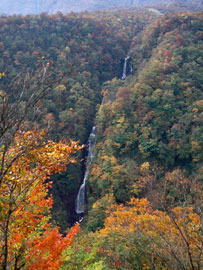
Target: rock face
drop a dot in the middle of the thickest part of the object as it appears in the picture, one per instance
(10, 7)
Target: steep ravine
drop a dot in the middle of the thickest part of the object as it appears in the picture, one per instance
(81, 200)
(81, 51)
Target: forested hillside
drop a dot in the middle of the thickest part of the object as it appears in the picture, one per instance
(149, 126)
(79, 53)
(60, 75)
(149, 147)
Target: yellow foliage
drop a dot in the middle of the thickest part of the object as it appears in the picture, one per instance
(61, 87)
(108, 199)
(165, 231)
(199, 103)
(96, 171)
(195, 146)
(2, 74)
(118, 145)
(121, 121)
(117, 106)
(195, 110)
(24, 200)
(111, 159)
(145, 166)
(117, 168)
(114, 80)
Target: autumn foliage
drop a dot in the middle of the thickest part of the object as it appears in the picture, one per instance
(174, 239)
(46, 251)
(28, 238)
(144, 186)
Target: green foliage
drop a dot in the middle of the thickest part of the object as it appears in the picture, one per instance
(84, 254)
(149, 144)
(149, 127)
(153, 116)
(78, 52)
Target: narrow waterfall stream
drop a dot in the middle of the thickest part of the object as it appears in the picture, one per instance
(80, 200)
(124, 75)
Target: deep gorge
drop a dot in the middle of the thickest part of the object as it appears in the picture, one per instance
(81, 52)
(132, 198)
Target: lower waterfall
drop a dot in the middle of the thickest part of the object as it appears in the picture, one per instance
(80, 200)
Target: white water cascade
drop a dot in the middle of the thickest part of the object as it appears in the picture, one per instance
(124, 75)
(80, 200)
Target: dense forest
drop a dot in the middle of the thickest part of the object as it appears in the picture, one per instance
(60, 75)
(80, 52)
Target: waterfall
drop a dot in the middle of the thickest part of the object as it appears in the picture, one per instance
(124, 75)
(80, 200)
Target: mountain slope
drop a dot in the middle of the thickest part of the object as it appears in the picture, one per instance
(150, 125)
(52, 6)
(84, 50)
(146, 172)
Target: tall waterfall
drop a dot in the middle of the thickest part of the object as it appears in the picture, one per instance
(124, 75)
(80, 200)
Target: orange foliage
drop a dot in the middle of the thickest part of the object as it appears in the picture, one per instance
(25, 204)
(46, 251)
(176, 234)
